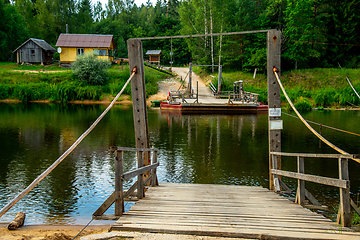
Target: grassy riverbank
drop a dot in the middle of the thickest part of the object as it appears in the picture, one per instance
(52, 83)
(325, 87)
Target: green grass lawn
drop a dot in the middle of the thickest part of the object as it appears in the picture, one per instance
(319, 87)
(51, 82)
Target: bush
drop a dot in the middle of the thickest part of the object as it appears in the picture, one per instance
(303, 103)
(324, 97)
(91, 69)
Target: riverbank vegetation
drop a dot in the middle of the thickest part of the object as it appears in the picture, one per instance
(315, 34)
(36, 82)
(307, 88)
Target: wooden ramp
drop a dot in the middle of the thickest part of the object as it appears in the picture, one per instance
(228, 211)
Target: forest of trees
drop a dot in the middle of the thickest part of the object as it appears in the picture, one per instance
(316, 33)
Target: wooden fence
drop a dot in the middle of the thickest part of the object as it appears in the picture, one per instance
(146, 175)
(343, 182)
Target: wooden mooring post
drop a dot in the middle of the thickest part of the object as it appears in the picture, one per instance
(273, 60)
(136, 60)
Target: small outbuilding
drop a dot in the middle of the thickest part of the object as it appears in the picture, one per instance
(72, 45)
(34, 51)
(154, 56)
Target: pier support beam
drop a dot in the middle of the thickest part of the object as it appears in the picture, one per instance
(273, 60)
(139, 98)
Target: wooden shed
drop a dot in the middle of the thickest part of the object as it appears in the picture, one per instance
(154, 56)
(72, 45)
(34, 51)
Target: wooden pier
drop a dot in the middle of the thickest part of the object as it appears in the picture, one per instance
(226, 211)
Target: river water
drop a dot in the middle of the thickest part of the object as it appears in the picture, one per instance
(216, 149)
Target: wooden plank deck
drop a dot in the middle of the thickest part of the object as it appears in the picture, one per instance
(228, 211)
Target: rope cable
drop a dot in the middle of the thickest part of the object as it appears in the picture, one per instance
(65, 154)
(337, 129)
(306, 123)
(92, 219)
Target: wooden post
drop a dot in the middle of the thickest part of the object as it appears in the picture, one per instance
(273, 59)
(275, 176)
(300, 194)
(154, 182)
(119, 200)
(219, 80)
(139, 97)
(344, 215)
(190, 78)
(140, 188)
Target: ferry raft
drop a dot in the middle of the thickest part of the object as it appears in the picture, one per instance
(237, 101)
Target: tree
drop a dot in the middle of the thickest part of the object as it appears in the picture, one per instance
(12, 30)
(84, 16)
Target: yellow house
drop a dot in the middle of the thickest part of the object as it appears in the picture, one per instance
(72, 45)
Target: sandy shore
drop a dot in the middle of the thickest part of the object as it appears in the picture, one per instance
(49, 232)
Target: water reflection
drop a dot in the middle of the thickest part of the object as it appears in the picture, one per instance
(211, 148)
(218, 149)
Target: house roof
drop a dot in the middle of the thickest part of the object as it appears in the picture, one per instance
(41, 43)
(85, 40)
(153, 52)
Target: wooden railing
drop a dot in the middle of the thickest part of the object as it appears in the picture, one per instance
(343, 182)
(146, 175)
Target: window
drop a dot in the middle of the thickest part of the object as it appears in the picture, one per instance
(100, 52)
(32, 52)
(80, 51)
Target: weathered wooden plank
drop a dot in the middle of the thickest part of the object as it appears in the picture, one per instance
(140, 180)
(313, 155)
(285, 187)
(130, 190)
(353, 205)
(344, 209)
(312, 178)
(107, 217)
(240, 234)
(300, 194)
(141, 170)
(154, 181)
(119, 198)
(221, 223)
(248, 233)
(311, 198)
(105, 206)
(319, 219)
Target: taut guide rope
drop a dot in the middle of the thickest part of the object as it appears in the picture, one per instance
(275, 71)
(65, 154)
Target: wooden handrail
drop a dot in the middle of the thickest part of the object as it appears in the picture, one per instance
(137, 172)
(312, 155)
(119, 195)
(343, 182)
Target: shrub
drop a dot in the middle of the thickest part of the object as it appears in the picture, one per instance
(303, 103)
(324, 97)
(5, 91)
(91, 69)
